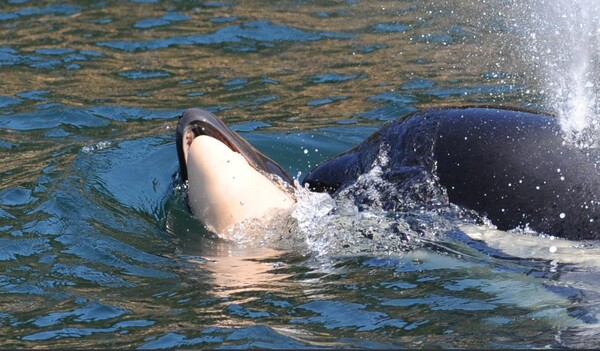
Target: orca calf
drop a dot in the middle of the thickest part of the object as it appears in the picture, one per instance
(514, 167)
(229, 181)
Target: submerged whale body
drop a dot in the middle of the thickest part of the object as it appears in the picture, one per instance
(511, 166)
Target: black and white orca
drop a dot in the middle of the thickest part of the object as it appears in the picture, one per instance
(514, 167)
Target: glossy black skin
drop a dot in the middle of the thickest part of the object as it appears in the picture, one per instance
(512, 166)
(202, 122)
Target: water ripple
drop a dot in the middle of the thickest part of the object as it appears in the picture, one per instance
(259, 31)
(445, 303)
(217, 3)
(91, 275)
(43, 60)
(391, 28)
(11, 248)
(326, 101)
(9, 285)
(122, 114)
(162, 21)
(73, 332)
(92, 312)
(113, 253)
(174, 340)
(489, 90)
(338, 314)
(6, 101)
(16, 197)
(36, 95)
(143, 74)
(419, 83)
(223, 19)
(52, 118)
(122, 173)
(59, 9)
(335, 77)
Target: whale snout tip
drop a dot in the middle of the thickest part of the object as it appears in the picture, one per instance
(192, 123)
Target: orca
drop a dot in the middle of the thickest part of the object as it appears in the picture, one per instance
(229, 180)
(512, 166)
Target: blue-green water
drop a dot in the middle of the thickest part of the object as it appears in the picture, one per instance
(98, 249)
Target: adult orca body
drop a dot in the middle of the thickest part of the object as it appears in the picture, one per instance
(512, 166)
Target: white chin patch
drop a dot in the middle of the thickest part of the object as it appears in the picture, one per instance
(223, 189)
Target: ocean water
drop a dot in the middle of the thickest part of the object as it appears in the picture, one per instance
(98, 249)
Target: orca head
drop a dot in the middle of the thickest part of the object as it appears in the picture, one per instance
(228, 180)
(196, 122)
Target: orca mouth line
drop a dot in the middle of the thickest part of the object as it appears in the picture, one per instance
(197, 122)
(202, 128)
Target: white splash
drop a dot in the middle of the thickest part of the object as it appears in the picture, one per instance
(562, 40)
(311, 213)
(355, 221)
(98, 146)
